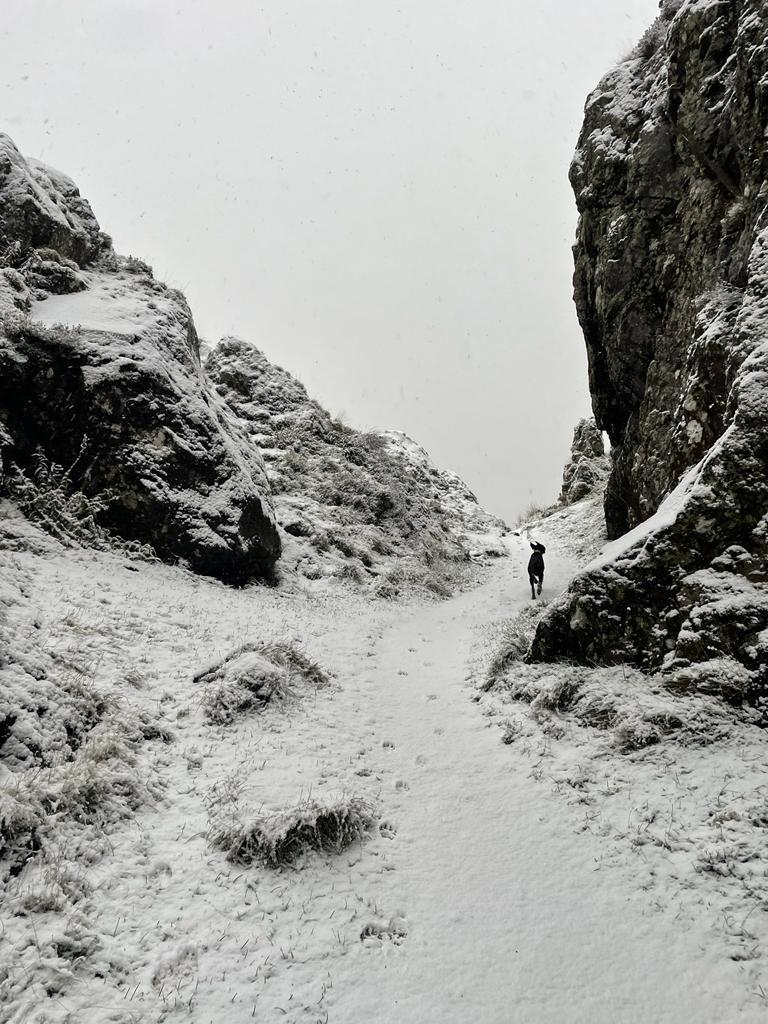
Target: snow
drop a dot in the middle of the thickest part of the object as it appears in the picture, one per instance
(479, 897)
(110, 303)
(633, 542)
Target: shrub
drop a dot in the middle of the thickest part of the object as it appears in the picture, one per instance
(136, 266)
(281, 837)
(253, 676)
(652, 39)
(13, 253)
(48, 496)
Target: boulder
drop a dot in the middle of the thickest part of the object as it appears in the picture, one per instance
(41, 207)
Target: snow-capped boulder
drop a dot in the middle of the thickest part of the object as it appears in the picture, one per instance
(42, 208)
(671, 180)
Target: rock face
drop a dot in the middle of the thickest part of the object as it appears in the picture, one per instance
(671, 287)
(588, 465)
(42, 208)
(100, 371)
(370, 506)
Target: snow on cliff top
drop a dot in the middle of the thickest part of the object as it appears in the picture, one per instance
(113, 303)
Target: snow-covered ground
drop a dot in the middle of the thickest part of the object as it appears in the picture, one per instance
(479, 896)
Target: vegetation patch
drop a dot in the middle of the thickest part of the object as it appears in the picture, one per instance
(515, 642)
(255, 675)
(100, 785)
(48, 496)
(282, 837)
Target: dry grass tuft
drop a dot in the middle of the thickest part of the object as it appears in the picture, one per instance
(515, 642)
(282, 837)
(255, 675)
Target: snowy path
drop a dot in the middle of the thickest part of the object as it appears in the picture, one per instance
(512, 915)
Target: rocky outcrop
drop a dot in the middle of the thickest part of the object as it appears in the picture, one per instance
(368, 506)
(671, 287)
(42, 208)
(587, 468)
(100, 372)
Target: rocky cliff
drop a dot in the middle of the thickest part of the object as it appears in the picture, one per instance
(100, 373)
(587, 468)
(671, 287)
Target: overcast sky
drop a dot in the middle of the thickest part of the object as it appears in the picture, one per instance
(373, 192)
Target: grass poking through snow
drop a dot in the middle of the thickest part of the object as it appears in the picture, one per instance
(282, 837)
(255, 675)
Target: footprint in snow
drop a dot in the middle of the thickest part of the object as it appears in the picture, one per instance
(378, 931)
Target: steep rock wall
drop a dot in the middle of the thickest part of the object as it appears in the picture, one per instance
(671, 288)
(669, 177)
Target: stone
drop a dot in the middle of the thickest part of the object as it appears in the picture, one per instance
(588, 465)
(43, 207)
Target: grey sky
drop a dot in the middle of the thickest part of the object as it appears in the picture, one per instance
(374, 193)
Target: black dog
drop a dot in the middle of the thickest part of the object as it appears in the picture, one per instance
(536, 568)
